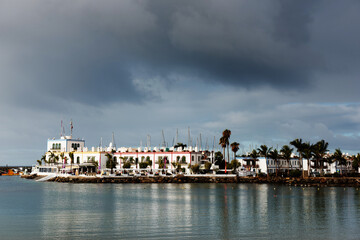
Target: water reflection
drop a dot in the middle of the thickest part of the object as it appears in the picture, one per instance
(195, 211)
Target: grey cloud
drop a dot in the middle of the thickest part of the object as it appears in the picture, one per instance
(90, 52)
(269, 71)
(79, 53)
(293, 20)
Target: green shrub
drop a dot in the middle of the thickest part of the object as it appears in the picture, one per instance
(336, 174)
(143, 165)
(127, 165)
(234, 164)
(208, 166)
(195, 168)
(295, 173)
(161, 164)
(176, 165)
(262, 174)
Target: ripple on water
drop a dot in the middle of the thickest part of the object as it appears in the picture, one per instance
(163, 211)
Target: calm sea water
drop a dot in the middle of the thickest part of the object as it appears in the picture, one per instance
(35, 210)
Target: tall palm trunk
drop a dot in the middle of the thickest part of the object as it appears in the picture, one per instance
(301, 165)
(228, 153)
(267, 167)
(224, 157)
(288, 167)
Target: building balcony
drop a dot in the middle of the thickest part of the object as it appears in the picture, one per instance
(55, 149)
(251, 166)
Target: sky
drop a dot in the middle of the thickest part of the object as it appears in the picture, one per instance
(270, 71)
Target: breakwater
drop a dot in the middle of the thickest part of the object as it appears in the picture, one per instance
(306, 182)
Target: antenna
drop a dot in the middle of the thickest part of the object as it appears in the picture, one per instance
(71, 127)
(200, 142)
(61, 129)
(113, 141)
(177, 137)
(214, 144)
(189, 141)
(206, 145)
(148, 141)
(100, 145)
(163, 143)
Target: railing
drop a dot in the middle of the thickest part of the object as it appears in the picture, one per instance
(250, 166)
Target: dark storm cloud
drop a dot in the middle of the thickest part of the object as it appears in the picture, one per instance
(293, 20)
(91, 52)
(225, 42)
(79, 52)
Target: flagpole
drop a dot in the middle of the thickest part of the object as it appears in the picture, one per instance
(71, 127)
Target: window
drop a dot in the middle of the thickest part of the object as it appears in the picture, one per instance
(192, 158)
(78, 160)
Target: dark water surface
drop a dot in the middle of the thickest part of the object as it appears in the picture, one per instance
(38, 210)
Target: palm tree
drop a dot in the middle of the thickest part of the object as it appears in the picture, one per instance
(254, 155)
(222, 142)
(235, 148)
(319, 150)
(56, 159)
(264, 152)
(136, 162)
(307, 152)
(299, 145)
(226, 135)
(275, 156)
(339, 158)
(71, 156)
(52, 157)
(356, 162)
(39, 162)
(110, 163)
(62, 156)
(286, 152)
(43, 159)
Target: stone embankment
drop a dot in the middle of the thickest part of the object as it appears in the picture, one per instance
(307, 182)
(30, 176)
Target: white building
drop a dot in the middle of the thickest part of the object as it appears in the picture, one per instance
(65, 144)
(260, 166)
(58, 157)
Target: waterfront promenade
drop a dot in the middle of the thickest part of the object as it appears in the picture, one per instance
(200, 178)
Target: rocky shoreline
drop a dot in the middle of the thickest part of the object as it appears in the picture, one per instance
(307, 182)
